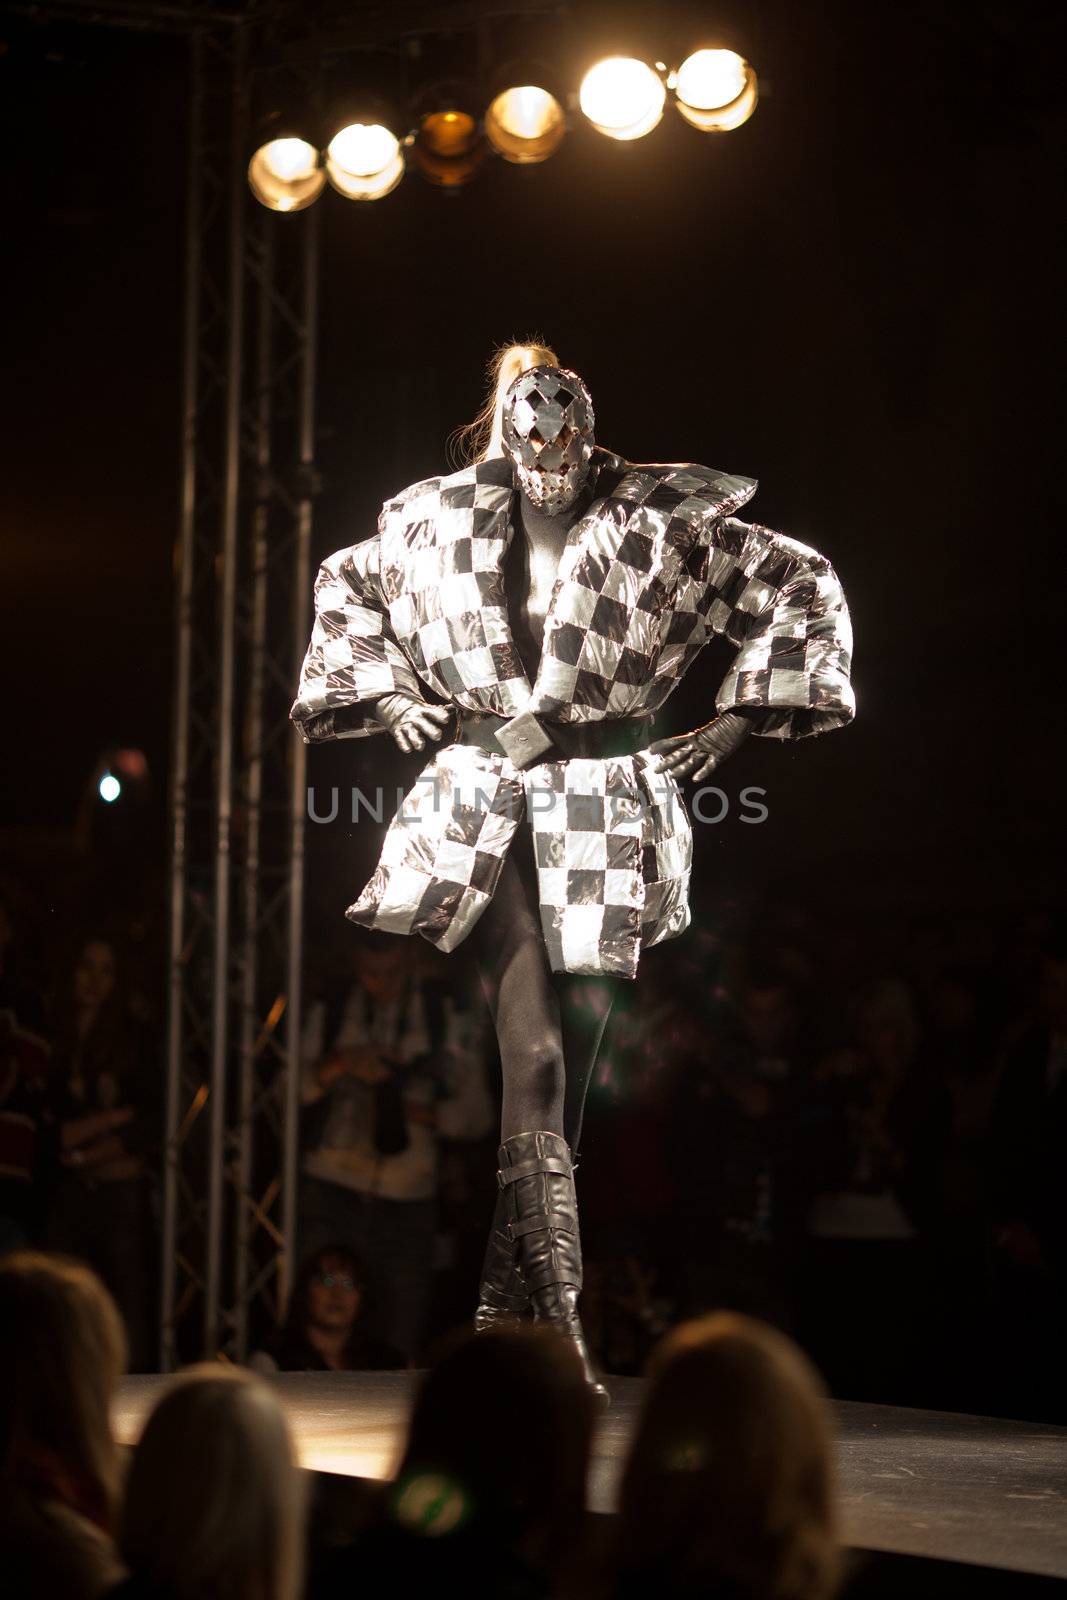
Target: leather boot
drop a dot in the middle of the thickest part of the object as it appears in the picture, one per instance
(537, 1174)
(502, 1296)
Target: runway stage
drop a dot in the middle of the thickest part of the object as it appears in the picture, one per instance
(933, 1484)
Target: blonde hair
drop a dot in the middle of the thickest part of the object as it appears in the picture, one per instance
(729, 1476)
(62, 1351)
(214, 1501)
(480, 440)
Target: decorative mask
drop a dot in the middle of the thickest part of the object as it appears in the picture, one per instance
(547, 431)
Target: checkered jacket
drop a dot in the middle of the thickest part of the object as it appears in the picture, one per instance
(657, 566)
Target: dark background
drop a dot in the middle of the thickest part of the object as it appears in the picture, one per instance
(855, 298)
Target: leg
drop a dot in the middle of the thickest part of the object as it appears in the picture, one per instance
(525, 1009)
(549, 1025)
(523, 1001)
(536, 1204)
(585, 1005)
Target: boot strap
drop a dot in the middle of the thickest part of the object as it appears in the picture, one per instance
(560, 1221)
(490, 1295)
(527, 1169)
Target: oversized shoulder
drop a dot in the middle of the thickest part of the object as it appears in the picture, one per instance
(484, 481)
(667, 486)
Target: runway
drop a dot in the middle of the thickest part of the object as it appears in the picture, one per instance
(934, 1484)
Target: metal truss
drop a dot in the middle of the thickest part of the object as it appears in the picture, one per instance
(237, 783)
(238, 770)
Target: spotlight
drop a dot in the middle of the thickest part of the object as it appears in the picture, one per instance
(525, 121)
(622, 97)
(448, 133)
(447, 148)
(286, 174)
(109, 787)
(364, 161)
(715, 90)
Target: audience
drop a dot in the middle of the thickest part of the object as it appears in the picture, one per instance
(105, 1107)
(1027, 1173)
(490, 1492)
(732, 1141)
(852, 1127)
(61, 1355)
(727, 1490)
(214, 1506)
(873, 1150)
(390, 1069)
(24, 1058)
(324, 1330)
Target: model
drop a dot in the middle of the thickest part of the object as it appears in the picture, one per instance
(538, 607)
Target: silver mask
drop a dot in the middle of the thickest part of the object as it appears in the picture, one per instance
(547, 432)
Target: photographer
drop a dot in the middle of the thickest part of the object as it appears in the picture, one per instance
(391, 1065)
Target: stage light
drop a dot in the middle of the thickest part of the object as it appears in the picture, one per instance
(286, 174)
(525, 123)
(622, 97)
(715, 90)
(364, 161)
(109, 787)
(448, 133)
(447, 172)
(447, 148)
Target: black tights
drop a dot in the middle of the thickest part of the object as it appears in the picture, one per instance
(548, 1025)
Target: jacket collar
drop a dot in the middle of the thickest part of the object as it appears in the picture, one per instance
(613, 477)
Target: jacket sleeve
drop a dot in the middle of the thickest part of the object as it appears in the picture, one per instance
(782, 604)
(353, 657)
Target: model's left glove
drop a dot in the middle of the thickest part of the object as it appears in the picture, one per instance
(704, 749)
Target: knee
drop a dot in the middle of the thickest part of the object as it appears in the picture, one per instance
(537, 1062)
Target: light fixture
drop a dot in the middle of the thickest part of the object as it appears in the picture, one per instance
(525, 121)
(448, 133)
(364, 161)
(622, 97)
(286, 174)
(109, 787)
(715, 90)
(447, 147)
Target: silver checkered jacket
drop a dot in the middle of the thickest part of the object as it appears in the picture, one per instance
(657, 566)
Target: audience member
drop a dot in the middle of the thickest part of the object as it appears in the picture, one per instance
(61, 1355)
(624, 1311)
(214, 1506)
(324, 1329)
(732, 1141)
(389, 1070)
(105, 1104)
(864, 1309)
(24, 1053)
(727, 1491)
(491, 1488)
(1027, 1166)
(958, 1061)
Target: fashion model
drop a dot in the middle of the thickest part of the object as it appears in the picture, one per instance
(538, 607)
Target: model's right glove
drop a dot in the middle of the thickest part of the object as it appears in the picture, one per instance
(704, 749)
(412, 723)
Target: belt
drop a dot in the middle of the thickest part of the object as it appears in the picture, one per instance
(526, 738)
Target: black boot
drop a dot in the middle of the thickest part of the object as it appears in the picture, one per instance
(537, 1173)
(502, 1296)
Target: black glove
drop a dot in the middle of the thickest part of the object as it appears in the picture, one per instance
(412, 723)
(704, 748)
